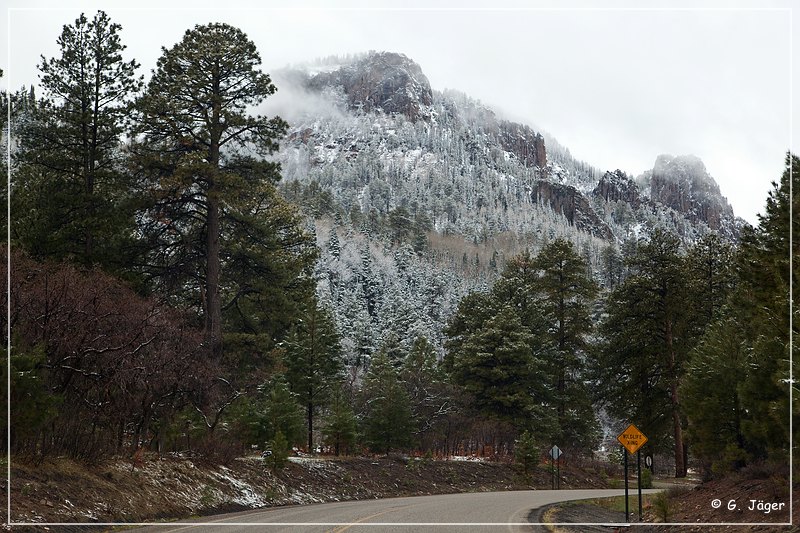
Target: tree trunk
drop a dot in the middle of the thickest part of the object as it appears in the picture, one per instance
(680, 464)
(213, 325)
(310, 412)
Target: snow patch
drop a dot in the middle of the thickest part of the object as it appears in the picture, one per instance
(247, 496)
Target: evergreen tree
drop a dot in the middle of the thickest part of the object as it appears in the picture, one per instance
(340, 427)
(612, 266)
(386, 418)
(715, 412)
(496, 365)
(565, 299)
(745, 350)
(473, 311)
(283, 413)
(425, 381)
(711, 277)
(646, 331)
(334, 247)
(195, 139)
(313, 361)
(762, 302)
(526, 453)
(71, 195)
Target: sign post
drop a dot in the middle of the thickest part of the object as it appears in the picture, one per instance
(632, 439)
(555, 456)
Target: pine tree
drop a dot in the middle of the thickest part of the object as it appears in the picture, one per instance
(711, 276)
(386, 419)
(495, 364)
(72, 199)
(313, 361)
(762, 302)
(196, 136)
(526, 453)
(565, 296)
(334, 247)
(715, 413)
(283, 413)
(646, 331)
(425, 382)
(340, 426)
(745, 350)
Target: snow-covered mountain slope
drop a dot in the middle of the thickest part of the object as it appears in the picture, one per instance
(385, 140)
(420, 195)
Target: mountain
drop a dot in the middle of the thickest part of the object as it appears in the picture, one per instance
(424, 193)
(683, 184)
(383, 115)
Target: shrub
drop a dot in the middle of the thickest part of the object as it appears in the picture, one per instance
(661, 505)
(280, 452)
(647, 479)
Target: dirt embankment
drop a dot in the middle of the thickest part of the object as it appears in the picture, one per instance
(735, 499)
(176, 487)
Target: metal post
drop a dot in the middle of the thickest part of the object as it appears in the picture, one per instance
(558, 473)
(553, 472)
(639, 479)
(625, 453)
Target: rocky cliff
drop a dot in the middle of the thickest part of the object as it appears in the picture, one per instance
(683, 184)
(383, 81)
(568, 201)
(523, 142)
(618, 187)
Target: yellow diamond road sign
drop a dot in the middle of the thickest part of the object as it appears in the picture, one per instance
(632, 439)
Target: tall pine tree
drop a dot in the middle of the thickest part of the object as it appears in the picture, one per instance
(646, 330)
(71, 193)
(565, 298)
(201, 154)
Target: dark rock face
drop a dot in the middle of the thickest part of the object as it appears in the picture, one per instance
(617, 186)
(382, 80)
(683, 184)
(568, 201)
(523, 142)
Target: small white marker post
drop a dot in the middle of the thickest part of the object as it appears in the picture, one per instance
(555, 456)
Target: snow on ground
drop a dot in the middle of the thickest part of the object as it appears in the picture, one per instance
(248, 496)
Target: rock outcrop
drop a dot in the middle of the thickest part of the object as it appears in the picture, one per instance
(523, 142)
(575, 207)
(683, 184)
(618, 187)
(384, 81)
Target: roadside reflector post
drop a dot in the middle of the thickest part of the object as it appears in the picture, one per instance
(625, 454)
(639, 480)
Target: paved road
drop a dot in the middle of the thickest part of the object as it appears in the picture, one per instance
(488, 511)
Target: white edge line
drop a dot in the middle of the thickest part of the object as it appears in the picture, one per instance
(432, 9)
(240, 524)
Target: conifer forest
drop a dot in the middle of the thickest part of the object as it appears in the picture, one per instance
(371, 267)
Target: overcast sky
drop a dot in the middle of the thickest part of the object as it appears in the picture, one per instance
(617, 86)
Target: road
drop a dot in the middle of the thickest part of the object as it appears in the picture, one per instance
(483, 511)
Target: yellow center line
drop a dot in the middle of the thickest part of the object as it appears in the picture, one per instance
(340, 529)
